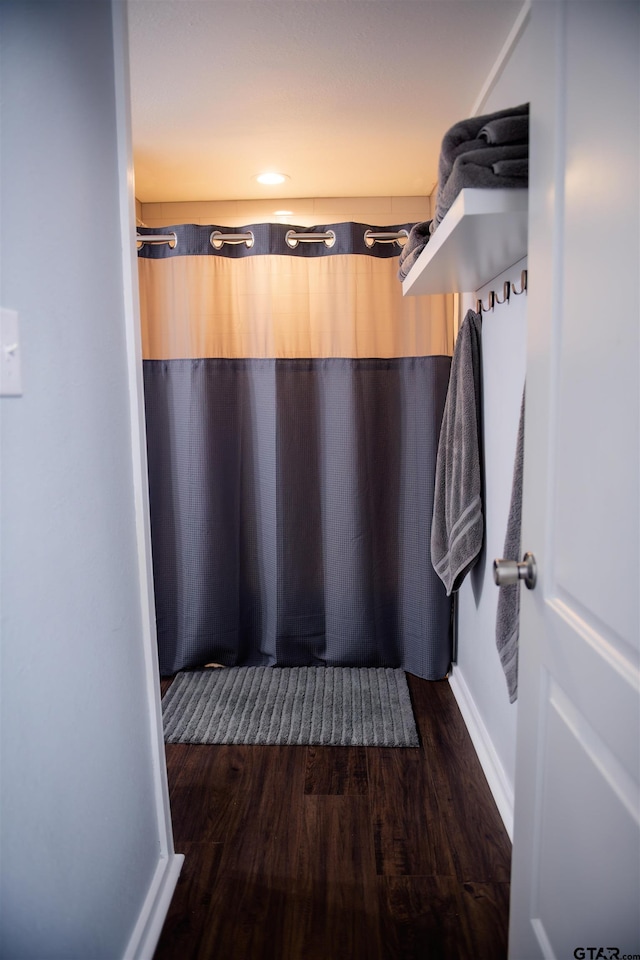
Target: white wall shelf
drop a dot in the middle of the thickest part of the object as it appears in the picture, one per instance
(483, 233)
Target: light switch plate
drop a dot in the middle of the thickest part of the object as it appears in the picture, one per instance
(10, 372)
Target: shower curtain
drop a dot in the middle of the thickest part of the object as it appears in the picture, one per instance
(293, 403)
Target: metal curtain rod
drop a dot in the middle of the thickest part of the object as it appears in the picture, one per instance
(507, 289)
(157, 238)
(292, 238)
(384, 236)
(217, 238)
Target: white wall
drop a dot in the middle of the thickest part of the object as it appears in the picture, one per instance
(80, 834)
(305, 211)
(477, 678)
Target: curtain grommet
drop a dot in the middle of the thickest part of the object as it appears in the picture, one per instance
(217, 239)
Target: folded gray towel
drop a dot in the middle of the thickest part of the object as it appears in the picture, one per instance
(513, 129)
(512, 169)
(508, 613)
(461, 136)
(476, 169)
(457, 528)
(416, 242)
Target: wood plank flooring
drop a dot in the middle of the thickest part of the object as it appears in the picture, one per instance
(339, 853)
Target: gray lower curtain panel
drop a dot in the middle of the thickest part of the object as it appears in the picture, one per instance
(291, 512)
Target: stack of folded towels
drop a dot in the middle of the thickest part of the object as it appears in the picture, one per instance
(489, 151)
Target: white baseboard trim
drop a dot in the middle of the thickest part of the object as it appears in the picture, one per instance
(148, 928)
(489, 760)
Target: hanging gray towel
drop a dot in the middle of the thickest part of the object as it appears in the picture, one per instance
(457, 529)
(508, 614)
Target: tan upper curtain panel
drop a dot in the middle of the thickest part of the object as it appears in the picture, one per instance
(286, 307)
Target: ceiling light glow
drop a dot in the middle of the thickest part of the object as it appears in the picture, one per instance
(282, 213)
(271, 179)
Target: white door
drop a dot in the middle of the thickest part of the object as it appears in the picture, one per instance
(576, 854)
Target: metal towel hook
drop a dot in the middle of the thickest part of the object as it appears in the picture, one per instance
(506, 293)
(507, 289)
(480, 307)
(523, 284)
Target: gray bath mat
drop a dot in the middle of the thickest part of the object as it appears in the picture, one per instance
(341, 706)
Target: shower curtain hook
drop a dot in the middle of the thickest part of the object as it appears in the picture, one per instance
(523, 284)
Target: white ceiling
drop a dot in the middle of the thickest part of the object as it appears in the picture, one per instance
(348, 97)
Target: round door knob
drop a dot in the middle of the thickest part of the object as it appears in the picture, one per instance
(507, 572)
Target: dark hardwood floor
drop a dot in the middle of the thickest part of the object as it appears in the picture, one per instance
(339, 853)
